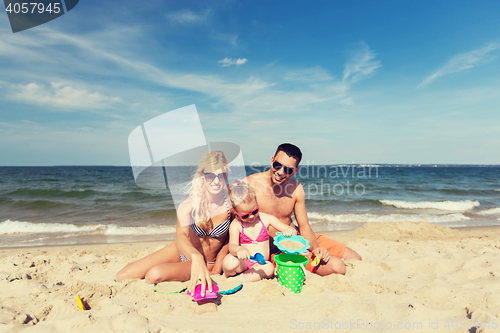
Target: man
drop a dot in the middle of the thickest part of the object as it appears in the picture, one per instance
(280, 195)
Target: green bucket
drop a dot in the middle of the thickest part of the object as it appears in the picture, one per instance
(291, 271)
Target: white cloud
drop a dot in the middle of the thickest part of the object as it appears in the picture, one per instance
(224, 38)
(361, 64)
(186, 16)
(347, 101)
(61, 96)
(316, 74)
(253, 95)
(464, 61)
(229, 62)
(9, 125)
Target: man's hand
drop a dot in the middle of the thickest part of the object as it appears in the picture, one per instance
(322, 253)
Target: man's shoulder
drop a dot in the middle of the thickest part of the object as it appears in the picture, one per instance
(256, 175)
(292, 183)
(255, 179)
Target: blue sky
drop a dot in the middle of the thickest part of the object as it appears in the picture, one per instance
(347, 81)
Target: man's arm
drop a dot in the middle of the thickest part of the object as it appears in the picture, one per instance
(304, 226)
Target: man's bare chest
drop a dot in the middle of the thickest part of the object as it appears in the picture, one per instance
(280, 207)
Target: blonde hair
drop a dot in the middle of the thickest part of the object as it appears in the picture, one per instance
(240, 192)
(196, 189)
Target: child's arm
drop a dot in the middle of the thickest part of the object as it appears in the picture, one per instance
(287, 230)
(234, 242)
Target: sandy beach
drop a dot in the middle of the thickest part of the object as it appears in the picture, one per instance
(415, 277)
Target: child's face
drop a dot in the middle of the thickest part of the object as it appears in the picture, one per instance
(249, 209)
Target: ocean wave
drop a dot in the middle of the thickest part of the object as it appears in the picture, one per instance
(50, 193)
(491, 211)
(138, 195)
(20, 227)
(17, 227)
(458, 206)
(115, 230)
(44, 204)
(362, 218)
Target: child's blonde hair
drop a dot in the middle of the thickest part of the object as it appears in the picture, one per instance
(240, 192)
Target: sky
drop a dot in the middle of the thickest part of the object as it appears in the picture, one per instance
(414, 82)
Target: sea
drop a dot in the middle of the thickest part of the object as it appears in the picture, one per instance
(62, 205)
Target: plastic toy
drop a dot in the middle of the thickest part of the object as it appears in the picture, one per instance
(296, 238)
(80, 303)
(316, 261)
(232, 290)
(170, 287)
(259, 258)
(208, 295)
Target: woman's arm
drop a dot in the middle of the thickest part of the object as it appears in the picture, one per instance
(217, 268)
(199, 270)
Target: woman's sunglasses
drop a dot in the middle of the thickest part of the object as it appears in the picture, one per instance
(210, 177)
(277, 166)
(247, 215)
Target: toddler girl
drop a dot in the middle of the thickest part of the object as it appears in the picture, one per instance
(248, 235)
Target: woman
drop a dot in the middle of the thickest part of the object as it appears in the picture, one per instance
(203, 222)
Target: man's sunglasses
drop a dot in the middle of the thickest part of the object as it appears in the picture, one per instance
(247, 215)
(210, 177)
(277, 166)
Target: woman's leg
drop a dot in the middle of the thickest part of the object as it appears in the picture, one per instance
(139, 268)
(180, 271)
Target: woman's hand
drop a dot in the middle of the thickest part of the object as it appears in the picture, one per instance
(199, 271)
(289, 231)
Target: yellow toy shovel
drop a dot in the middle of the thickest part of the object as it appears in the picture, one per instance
(80, 303)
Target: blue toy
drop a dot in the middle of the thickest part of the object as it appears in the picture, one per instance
(232, 290)
(259, 258)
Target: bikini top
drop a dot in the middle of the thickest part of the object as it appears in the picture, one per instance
(263, 235)
(218, 232)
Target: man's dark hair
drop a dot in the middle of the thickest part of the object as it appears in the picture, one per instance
(290, 150)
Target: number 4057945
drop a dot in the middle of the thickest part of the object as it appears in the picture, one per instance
(33, 7)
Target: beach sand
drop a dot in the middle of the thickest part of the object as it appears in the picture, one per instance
(414, 277)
